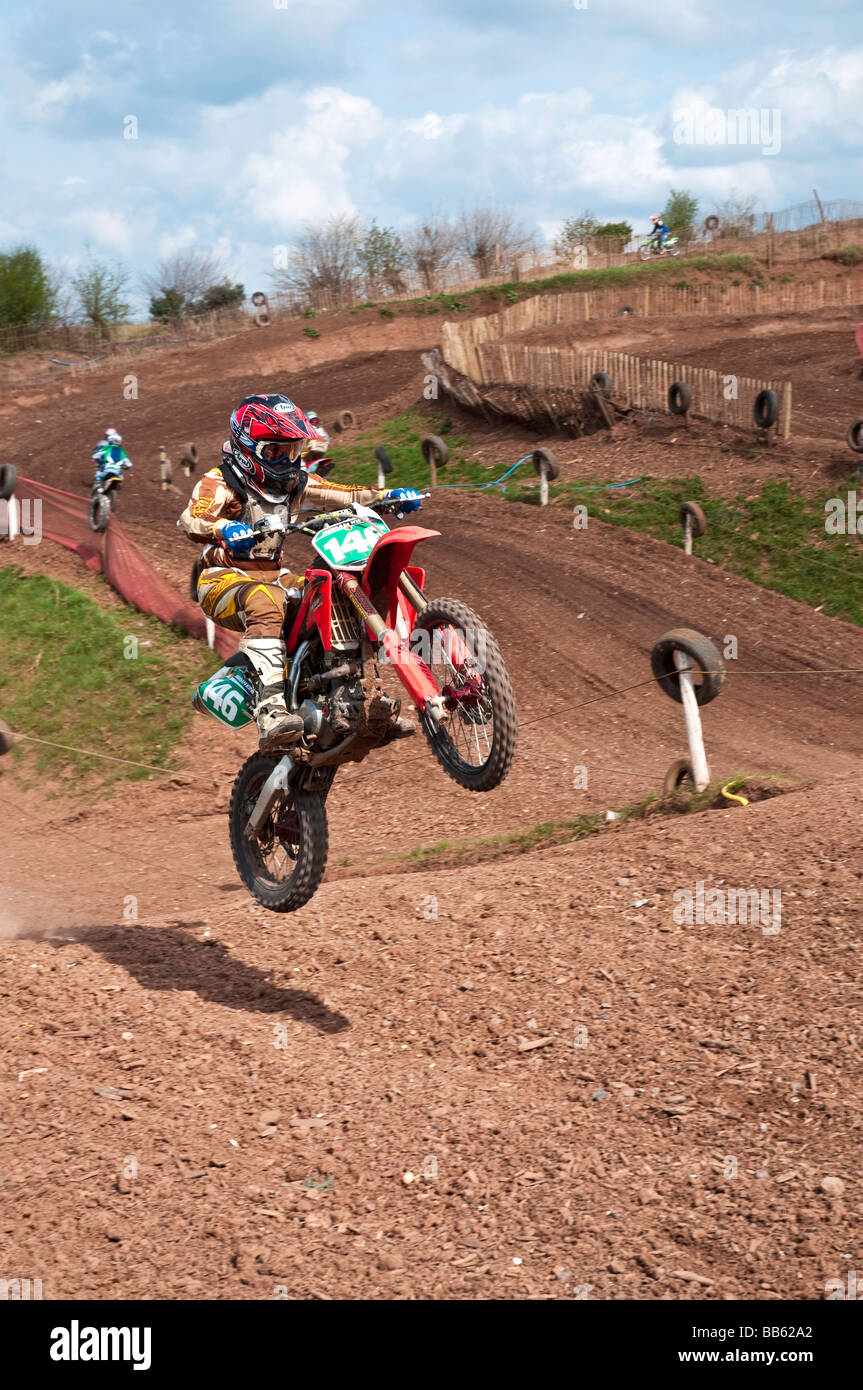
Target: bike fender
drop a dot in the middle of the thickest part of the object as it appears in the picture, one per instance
(390, 556)
(315, 611)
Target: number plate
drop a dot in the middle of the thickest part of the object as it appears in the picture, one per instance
(348, 547)
(229, 695)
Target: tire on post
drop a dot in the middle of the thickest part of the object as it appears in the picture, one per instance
(679, 397)
(8, 480)
(601, 381)
(696, 517)
(679, 776)
(383, 458)
(434, 450)
(711, 222)
(708, 673)
(545, 457)
(854, 438)
(765, 411)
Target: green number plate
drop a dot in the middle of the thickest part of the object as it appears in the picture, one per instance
(345, 547)
(229, 695)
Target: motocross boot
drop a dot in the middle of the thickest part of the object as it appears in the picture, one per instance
(277, 726)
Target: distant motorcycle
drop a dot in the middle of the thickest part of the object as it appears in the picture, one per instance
(651, 247)
(106, 487)
(103, 499)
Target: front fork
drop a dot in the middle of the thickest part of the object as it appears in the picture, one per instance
(413, 673)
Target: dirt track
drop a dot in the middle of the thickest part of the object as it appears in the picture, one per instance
(389, 1023)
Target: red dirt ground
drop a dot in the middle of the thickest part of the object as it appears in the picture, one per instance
(270, 1114)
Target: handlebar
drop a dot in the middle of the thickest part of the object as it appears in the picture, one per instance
(274, 525)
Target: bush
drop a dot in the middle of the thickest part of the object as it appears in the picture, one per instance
(26, 292)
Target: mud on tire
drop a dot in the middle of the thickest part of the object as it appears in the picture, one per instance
(484, 776)
(304, 813)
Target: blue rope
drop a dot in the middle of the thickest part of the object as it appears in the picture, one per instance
(578, 487)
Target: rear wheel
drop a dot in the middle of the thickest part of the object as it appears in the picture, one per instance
(475, 742)
(283, 865)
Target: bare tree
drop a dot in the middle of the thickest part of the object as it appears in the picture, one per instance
(99, 289)
(430, 248)
(323, 261)
(184, 279)
(736, 214)
(492, 239)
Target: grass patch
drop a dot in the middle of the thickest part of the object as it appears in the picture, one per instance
(612, 277)
(355, 459)
(774, 537)
(64, 677)
(449, 854)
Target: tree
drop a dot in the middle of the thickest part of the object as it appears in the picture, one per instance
(323, 261)
(430, 249)
(575, 233)
(382, 259)
(736, 214)
(99, 289)
(220, 296)
(492, 239)
(680, 211)
(613, 236)
(169, 305)
(188, 274)
(27, 291)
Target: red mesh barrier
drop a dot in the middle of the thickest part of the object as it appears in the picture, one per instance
(126, 567)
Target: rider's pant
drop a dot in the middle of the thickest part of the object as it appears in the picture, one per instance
(236, 600)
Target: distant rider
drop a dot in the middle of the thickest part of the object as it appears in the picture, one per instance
(110, 458)
(242, 584)
(660, 232)
(317, 448)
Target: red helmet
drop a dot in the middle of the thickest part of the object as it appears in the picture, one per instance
(268, 434)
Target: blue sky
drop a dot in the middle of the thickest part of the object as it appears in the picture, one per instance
(255, 115)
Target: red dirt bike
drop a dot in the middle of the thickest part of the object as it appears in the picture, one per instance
(364, 608)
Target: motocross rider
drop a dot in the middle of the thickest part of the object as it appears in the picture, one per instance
(242, 584)
(109, 457)
(660, 232)
(318, 447)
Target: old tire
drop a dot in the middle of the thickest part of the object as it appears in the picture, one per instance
(601, 381)
(706, 661)
(99, 512)
(711, 222)
(697, 519)
(8, 479)
(298, 821)
(495, 703)
(765, 411)
(546, 457)
(344, 420)
(854, 437)
(383, 458)
(679, 397)
(5, 738)
(259, 297)
(434, 450)
(679, 777)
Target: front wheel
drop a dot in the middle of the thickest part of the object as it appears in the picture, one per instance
(475, 740)
(644, 253)
(283, 865)
(100, 511)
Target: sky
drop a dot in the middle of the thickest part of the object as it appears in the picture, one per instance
(248, 118)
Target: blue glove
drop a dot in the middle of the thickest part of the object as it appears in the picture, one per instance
(237, 538)
(408, 496)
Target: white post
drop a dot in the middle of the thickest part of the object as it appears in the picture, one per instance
(382, 477)
(697, 755)
(211, 633)
(687, 535)
(543, 485)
